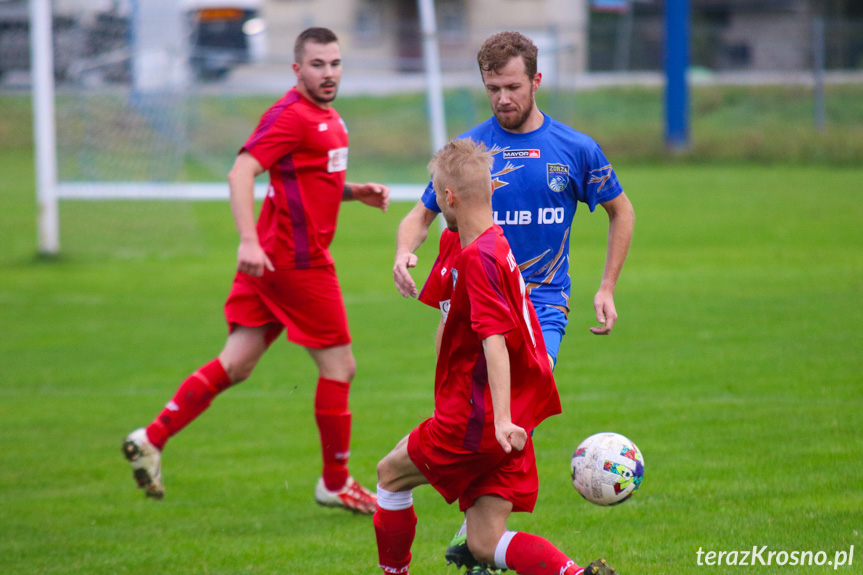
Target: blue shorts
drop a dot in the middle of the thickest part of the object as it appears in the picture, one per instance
(553, 323)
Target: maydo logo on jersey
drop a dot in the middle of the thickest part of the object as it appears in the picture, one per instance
(558, 176)
(520, 154)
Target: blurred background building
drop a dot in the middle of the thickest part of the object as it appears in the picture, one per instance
(385, 34)
(584, 35)
(383, 37)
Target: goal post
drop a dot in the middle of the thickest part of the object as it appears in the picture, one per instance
(44, 126)
(116, 128)
(185, 191)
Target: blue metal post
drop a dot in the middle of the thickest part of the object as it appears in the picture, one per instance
(676, 64)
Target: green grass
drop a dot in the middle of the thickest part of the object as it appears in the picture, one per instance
(736, 367)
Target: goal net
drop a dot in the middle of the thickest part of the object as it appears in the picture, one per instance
(130, 101)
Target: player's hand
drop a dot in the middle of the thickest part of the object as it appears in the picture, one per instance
(252, 259)
(374, 195)
(510, 436)
(404, 282)
(606, 313)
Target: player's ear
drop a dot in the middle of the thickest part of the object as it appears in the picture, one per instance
(537, 80)
(450, 197)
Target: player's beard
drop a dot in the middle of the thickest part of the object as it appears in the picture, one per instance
(516, 122)
(317, 94)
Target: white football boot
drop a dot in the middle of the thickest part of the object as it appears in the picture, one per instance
(353, 497)
(146, 461)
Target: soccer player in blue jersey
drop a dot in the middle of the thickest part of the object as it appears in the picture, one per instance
(542, 170)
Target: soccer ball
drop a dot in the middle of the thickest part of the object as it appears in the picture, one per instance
(607, 468)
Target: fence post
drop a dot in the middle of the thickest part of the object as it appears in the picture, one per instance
(676, 64)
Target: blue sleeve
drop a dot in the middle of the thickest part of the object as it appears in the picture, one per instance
(429, 200)
(599, 181)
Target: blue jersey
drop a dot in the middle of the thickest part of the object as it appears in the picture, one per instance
(539, 178)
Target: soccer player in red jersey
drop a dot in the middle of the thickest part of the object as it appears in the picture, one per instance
(285, 275)
(493, 386)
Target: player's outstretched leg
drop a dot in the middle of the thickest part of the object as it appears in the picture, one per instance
(143, 447)
(146, 461)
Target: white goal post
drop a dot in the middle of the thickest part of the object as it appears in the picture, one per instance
(44, 125)
(50, 184)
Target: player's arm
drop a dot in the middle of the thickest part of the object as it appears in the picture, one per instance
(371, 194)
(621, 222)
(413, 231)
(251, 258)
(506, 432)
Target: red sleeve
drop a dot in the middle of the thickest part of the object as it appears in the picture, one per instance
(490, 311)
(438, 285)
(278, 134)
(433, 288)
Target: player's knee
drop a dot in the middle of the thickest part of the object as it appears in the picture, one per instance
(238, 370)
(342, 369)
(350, 367)
(386, 473)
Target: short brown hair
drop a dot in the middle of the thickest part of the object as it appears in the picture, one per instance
(462, 165)
(500, 48)
(316, 35)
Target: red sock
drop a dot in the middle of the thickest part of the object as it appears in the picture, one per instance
(533, 555)
(395, 531)
(192, 398)
(334, 426)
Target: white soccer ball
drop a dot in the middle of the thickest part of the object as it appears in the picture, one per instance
(607, 468)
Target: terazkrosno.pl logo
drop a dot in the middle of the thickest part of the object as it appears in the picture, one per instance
(763, 555)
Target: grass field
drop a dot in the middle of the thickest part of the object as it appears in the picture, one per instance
(736, 366)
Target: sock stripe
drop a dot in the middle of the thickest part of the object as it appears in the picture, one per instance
(205, 381)
(500, 550)
(394, 500)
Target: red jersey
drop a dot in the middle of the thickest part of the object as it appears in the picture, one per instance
(487, 298)
(437, 291)
(305, 150)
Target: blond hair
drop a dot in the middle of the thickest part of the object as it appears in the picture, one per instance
(463, 166)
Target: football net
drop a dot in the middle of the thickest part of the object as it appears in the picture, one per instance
(133, 106)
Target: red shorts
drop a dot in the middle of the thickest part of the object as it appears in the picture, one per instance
(306, 302)
(466, 476)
